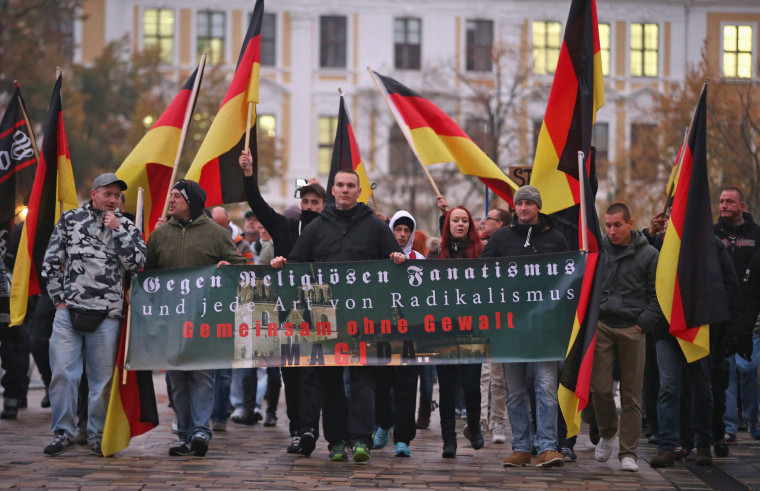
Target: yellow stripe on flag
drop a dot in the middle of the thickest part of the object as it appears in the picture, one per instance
(252, 93)
(568, 404)
(20, 284)
(364, 183)
(699, 348)
(667, 269)
(116, 432)
(553, 184)
(224, 133)
(67, 190)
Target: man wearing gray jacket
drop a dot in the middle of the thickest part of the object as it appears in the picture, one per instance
(91, 251)
(627, 310)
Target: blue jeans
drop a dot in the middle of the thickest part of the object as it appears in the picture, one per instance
(236, 389)
(68, 349)
(748, 380)
(672, 363)
(193, 393)
(222, 381)
(518, 405)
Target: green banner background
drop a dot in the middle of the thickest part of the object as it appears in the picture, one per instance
(437, 311)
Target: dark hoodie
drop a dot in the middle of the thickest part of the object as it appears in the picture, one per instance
(518, 239)
(284, 230)
(344, 235)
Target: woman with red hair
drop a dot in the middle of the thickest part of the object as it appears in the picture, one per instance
(459, 239)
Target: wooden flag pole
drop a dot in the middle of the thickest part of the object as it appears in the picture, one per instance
(138, 223)
(185, 125)
(581, 182)
(28, 127)
(404, 130)
(248, 126)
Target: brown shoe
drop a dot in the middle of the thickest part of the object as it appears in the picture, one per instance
(551, 458)
(518, 459)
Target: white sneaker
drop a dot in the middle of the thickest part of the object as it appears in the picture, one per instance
(604, 449)
(628, 464)
(497, 434)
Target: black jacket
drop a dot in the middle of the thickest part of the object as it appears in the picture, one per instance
(337, 235)
(628, 290)
(518, 239)
(284, 230)
(741, 242)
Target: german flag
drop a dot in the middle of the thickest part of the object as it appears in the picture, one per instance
(346, 156)
(53, 187)
(688, 260)
(18, 164)
(132, 408)
(577, 93)
(216, 167)
(575, 377)
(437, 138)
(150, 164)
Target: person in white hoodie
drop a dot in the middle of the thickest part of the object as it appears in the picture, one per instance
(397, 411)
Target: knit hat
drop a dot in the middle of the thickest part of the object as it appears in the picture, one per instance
(529, 193)
(194, 195)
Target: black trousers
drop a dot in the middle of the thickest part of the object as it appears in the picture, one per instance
(342, 419)
(449, 377)
(396, 399)
(14, 355)
(291, 378)
(40, 330)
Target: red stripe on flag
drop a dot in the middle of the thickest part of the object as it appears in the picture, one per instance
(680, 199)
(17, 168)
(158, 184)
(562, 105)
(583, 383)
(356, 158)
(10, 130)
(211, 182)
(412, 110)
(251, 55)
(174, 115)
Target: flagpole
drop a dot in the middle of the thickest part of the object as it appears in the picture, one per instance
(138, 223)
(28, 126)
(60, 201)
(248, 125)
(405, 131)
(676, 169)
(582, 183)
(185, 125)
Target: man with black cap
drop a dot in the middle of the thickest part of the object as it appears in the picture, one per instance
(90, 252)
(285, 232)
(529, 233)
(191, 238)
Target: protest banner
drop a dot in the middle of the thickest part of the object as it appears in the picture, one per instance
(356, 313)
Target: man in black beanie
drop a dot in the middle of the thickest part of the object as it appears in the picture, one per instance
(191, 238)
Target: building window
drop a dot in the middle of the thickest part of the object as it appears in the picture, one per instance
(479, 45)
(210, 35)
(645, 43)
(547, 41)
(604, 47)
(158, 32)
(600, 141)
(737, 51)
(407, 37)
(266, 124)
(327, 126)
(332, 41)
(269, 39)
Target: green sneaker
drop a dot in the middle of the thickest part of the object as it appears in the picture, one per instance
(338, 452)
(361, 453)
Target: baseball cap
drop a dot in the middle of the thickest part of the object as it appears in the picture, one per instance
(106, 179)
(313, 188)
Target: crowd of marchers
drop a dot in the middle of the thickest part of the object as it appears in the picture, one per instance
(72, 332)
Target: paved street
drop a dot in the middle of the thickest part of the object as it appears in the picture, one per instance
(255, 458)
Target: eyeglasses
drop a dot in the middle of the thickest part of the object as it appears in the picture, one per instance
(494, 219)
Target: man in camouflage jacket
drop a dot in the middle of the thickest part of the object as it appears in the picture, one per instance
(90, 252)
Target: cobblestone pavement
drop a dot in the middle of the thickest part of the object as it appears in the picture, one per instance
(254, 458)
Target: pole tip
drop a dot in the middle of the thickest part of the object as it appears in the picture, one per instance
(15, 84)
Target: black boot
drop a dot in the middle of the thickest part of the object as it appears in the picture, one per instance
(423, 415)
(10, 408)
(703, 456)
(249, 402)
(45, 403)
(664, 458)
(449, 449)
